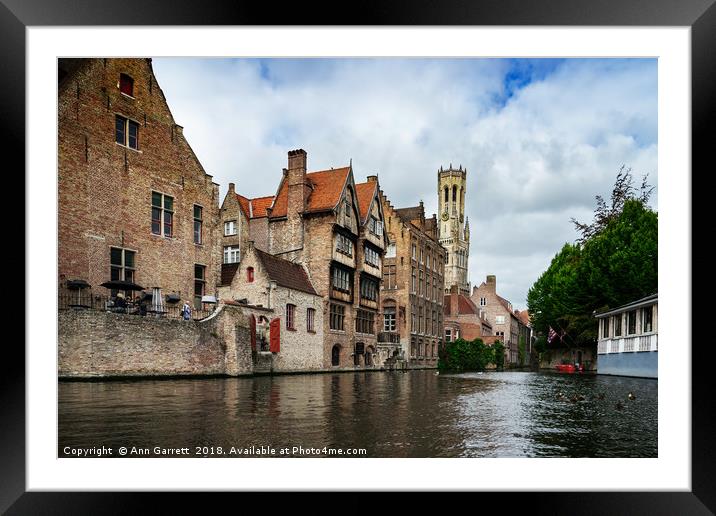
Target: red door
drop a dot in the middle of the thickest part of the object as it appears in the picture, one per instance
(275, 341)
(252, 328)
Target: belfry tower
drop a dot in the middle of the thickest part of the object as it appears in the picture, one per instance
(454, 228)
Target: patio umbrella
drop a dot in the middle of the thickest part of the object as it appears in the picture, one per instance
(121, 285)
(79, 285)
(157, 305)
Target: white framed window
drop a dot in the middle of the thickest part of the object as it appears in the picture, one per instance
(483, 301)
(390, 251)
(500, 319)
(376, 226)
(389, 319)
(232, 254)
(229, 228)
(372, 257)
(344, 245)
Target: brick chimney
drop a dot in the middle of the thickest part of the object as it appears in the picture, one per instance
(372, 179)
(232, 188)
(491, 283)
(298, 188)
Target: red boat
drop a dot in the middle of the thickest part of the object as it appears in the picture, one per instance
(569, 368)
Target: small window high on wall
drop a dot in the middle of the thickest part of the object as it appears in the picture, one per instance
(126, 84)
(249, 274)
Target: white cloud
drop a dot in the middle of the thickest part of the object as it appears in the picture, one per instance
(533, 161)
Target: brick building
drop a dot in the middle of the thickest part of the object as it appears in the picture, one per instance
(505, 323)
(134, 203)
(241, 220)
(412, 290)
(333, 227)
(463, 318)
(287, 311)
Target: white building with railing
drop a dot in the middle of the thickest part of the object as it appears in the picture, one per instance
(628, 339)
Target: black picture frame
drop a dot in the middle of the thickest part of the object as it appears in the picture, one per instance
(699, 15)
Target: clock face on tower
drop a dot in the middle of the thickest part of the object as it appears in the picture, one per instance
(445, 215)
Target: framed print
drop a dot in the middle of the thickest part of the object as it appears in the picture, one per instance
(231, 199)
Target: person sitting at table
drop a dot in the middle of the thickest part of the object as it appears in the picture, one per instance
(120, 303)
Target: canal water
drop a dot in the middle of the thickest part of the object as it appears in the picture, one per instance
(387, 414)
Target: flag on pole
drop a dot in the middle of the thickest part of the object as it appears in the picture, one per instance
(551, 335)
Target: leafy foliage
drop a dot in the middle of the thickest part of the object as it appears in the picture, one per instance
(461, 355)
(623, 191)
(521, 350)
(614, 262)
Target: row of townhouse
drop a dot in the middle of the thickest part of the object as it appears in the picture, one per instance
(308, 263)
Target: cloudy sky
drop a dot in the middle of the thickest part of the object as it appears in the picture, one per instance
(539, 137)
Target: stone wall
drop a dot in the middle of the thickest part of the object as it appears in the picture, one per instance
(100, 344)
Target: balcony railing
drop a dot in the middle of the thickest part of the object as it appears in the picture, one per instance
(628, 344)
(88, 301)
(389, 336)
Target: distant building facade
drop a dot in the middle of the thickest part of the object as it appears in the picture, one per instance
(134, 202)
(628, 339)
(413, 284)
(454, 227)
(504, 321)
(463, 318)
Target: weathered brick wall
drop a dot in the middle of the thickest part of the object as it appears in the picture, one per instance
(403, 235)
(105, 189)
(231, 211)
(101, 344)
(300, 350)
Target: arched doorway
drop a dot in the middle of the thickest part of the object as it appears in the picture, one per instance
(359, 350)
(369, 352)
(336, 355)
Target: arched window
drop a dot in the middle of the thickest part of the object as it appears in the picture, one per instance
(454, 193)
(249, 274)
(336, 355)
(447, 194)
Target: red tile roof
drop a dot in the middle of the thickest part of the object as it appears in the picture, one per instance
(466, 306)
(365, 193)
(285, 273)
(327, 186)
(254, 208)
(259, 205)
(524, 316)
(244, 203)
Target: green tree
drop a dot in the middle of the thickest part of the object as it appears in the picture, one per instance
(614, 262)
(498, 349)
(461, 355)
(521, 350)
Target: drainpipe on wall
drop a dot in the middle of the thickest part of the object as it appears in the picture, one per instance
(272, 287)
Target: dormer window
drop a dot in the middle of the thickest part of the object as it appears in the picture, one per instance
(126, 84)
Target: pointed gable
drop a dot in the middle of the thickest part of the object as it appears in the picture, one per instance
(365, 192)
(326, 189)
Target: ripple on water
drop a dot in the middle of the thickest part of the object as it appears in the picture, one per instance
(414, 414)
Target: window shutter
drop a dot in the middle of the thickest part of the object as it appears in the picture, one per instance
(275, 342)
(252, 325)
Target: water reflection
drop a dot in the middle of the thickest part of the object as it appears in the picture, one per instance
(413, 414)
